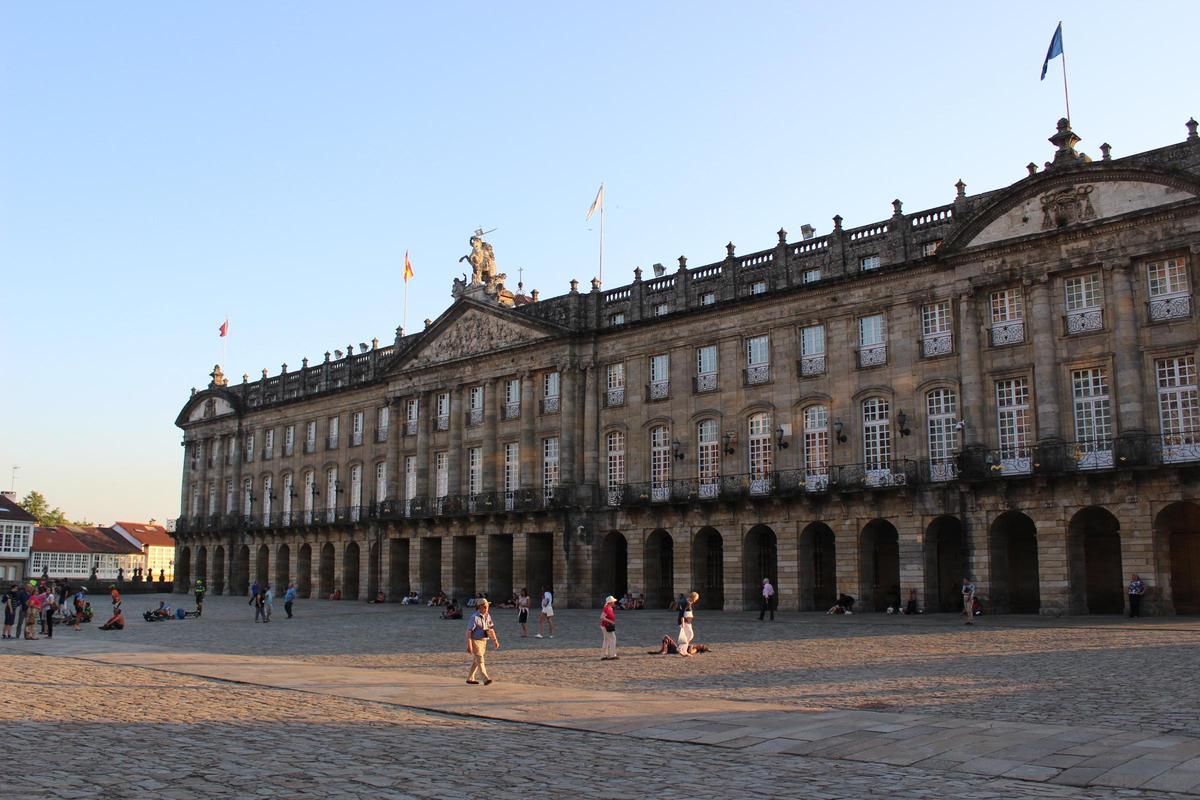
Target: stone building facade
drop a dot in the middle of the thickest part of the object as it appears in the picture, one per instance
(1003, 387)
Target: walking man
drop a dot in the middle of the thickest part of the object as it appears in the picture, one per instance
(259, 602)
(968, 596)
(268, 602)
(1136, 589)
(289, 597)
(478, 633)
(768, 600)
(547, 615)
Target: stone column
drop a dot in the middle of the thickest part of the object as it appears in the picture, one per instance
(845, 547)
(970, 372)
(911, 543)
(568, 424)
(635, 563)
(1131, 415)
(414, 567)
(448, 585)
(293, 571)
(681, 542)
(425, 414)
(591, 432)
(520, 572)
(482, 572)
(734, 590)
(787, 589)
(339, 566)
(1045, 361)
(529, 456)
(491, 413)
(458, 421)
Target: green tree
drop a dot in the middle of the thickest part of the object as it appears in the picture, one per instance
(47, 517)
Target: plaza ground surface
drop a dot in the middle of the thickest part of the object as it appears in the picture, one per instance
(357, 700)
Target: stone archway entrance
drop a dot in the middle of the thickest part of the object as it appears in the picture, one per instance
(241, 571)
(1015, 585)
(708, 568)
(612, 575)
(304, 571)
(659, 563)
(283, 558)
(201, 566)
(1177, 531)
(262, 565)
(463, 567)
(1094, 562)
(879, 565)
(373, 571)
(539, 567)
(500, 567)
(398, 580)
(325, 572)
(818, 568)
(760, 559)
(183, 569)
(945, 564)
(217, 585)
(350, 572)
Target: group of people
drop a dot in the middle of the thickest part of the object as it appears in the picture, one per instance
(37, 606)
(262, 597)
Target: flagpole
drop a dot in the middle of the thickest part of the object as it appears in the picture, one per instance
(602, 234)
(1066, 97)
(224, 344)
(404, 319)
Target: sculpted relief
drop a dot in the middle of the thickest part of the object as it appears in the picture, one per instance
(474, 332)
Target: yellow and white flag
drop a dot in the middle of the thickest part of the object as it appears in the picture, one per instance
(598, 203)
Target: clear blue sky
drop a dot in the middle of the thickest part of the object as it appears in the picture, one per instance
(163, 165)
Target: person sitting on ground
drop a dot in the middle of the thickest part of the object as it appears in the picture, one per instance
(452, 611)
(510, 603)
(639, 602)
(669, 648)
(163, 610)
(678, 603)
(411, 599)
(115, 623)
(843, 605)
(380, 597)
(337, 595)
(911, 606)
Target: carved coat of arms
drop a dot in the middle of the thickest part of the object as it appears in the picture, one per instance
(1066, 207)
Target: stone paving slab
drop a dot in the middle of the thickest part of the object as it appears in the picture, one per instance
(1022, 751)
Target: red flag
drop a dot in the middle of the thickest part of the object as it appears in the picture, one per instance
(408, 271)
(225, 328)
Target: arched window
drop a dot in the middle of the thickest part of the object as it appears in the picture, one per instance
(816, 448)
(331, 494)
(212, 497)
(310, 494)
(381, 482)
(267, 494)
(708, 457)
(761, 453)
(288, 490)
(355, 491)
(614, 445)
(877, 438)
(660, 463)
(941, 406)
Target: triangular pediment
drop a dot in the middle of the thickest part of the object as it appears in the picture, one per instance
(1060, 200)
(470, 328)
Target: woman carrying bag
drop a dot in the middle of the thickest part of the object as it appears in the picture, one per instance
(608, 629)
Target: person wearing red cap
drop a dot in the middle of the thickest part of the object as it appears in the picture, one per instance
(608, 630)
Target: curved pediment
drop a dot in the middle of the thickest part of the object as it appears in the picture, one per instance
(1057, 200)
(209, 404)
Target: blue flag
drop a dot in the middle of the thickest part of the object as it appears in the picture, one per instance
(1055, 49)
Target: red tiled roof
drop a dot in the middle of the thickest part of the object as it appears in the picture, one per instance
(11, 512)
(153, 535)
(103, 540)
(56, 540)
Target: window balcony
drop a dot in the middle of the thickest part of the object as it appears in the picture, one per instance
(658, 390)
(704, 383)
(756, 375)
(943, 469)
(1168, 307)
(310, 446)
(550, 405)
(381, 434)
(248, 457)
(268, 454)
(1084, 320)
(811, 366)
(288, 449)
(331, 442)
(872, 355)
(212, 462)
(937, 344)
(410, 427)
(229, 459)
(356, 439)
(474, 417)
(511, 411)
(1006, 333)
(441, 422)
(614, 397)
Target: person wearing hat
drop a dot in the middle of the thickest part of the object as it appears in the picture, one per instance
(478, 633)
(608, 630)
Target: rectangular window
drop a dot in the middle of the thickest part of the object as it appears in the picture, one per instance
(660, 463)
(550, 393)
(382, 418)
(289, 439)
(867, 263)
(877, 437)
(549, 467)
(355, 492)
(760, 453)
(936, 337)
(708, 299)
(872, 341)
(816, 448)
(1013, 423)
(474, 471)
(331, 494)
(614, 445)
(758, 287)
(512, 466)
(269, 443)
(1083, 304)
(1093, 418)
(661, 309)
(1169, 292)
(331, 440)
(660, 376)
(1008, 317)
(617, 318)
(442, 421)
(310, 432)
(249, 447)
(512, 398)
(941, 406)
(411, 411)
(706, 368)
(615, 383)
(410, 482)
(356, 428)
(441, 474)
(1178, 407)
(929, 248)
(381, 482)
(811, 275)
(475, 405)
(758, 360)
(812, 350)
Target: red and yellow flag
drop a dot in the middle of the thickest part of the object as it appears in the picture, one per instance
(408, 270)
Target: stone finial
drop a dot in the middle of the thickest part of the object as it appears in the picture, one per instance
(637, 274)
(375, 343)
(782, 234)
(193, 391)
(575, 285)
(837, 223)
(304, 362)
(428, 323)
(960, 188)
(349, 349)
(218, 377)
(264, 373)
(897, 207)
(245, 377)
(534, 295)
(595, 284)
(283, 368)
(1065, 140)
(729, 248)
(327, 354)
(683, 262)
(1106, 152)
(1032, 167)
(1191, 126)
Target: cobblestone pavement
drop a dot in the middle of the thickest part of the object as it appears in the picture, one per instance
(184, 736)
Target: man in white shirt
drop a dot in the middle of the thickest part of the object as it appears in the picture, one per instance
(547, 615)
(768, 600)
